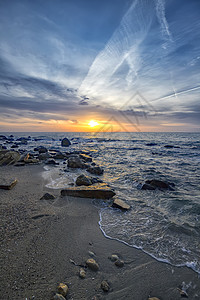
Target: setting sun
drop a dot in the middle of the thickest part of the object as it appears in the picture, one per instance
(93, 123)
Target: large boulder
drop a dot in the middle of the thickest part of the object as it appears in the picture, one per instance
(100, 191)
(65, 142)
(83, 180)
(75, 162)
(95, 170)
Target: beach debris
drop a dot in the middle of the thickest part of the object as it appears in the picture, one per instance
(82, 273)
(114, 257)
(8, 157)
(119, 263)
(63, 289)
(47, 196)
(95, 170)
(83, 180)
(75, 162)
(92, 264)
(183, 292)
(7, 184)
(120, 204)
(100, 191)
(59, 297)
(65, 142)
(105, 286)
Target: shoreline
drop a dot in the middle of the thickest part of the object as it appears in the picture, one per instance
(40, 238)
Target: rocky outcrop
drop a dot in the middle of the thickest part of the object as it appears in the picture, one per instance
(120, 204)
(100, 191)
(83, 180)
(65, 142)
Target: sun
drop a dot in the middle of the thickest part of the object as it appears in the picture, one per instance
(93, 123)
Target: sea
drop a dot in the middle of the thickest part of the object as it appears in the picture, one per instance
(163, 223)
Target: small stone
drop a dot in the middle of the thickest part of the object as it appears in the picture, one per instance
(114, 257)
(153, 298)
(63, 289)
(59, 297)
(47, 196)
(119, 263)
(105, 286)
(92, 264)
(82, 273)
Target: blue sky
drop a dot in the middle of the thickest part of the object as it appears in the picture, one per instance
(65, 62)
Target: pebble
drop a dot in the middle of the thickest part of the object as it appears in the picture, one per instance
(153, 298)
(91, 253)
(82, 273)
(119, 263)
(114, 257)
(59, 297)
(63, 289)
(92, 264)
(105, 286)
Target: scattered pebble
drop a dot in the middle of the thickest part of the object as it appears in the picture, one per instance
(92, 264)
(105, 286)
(63, 289)
(119, 263)
(114, 257)
(153, 298)
(91, 253)
(59, 297)
(82, 273)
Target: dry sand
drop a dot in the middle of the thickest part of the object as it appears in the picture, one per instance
(39, 237)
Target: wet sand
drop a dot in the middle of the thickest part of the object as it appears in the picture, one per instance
(39, 237)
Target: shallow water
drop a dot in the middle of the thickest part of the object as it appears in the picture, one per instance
(164, 224)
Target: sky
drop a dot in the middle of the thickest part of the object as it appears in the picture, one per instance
(126, 65)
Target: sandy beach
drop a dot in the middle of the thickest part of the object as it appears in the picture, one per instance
(41, 238)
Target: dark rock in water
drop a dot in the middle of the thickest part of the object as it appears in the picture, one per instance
(151, 144)
(23, 140)
(47, 196)
(99, 192)
(65, 142)
(35, 149)
(32, 161)
(146, 186)
(96, 180)
(83, 180)
(43, 156)
(7, 184)
(120, 204)
(95, 170)
(75, 162)
(51, 162)
(3, 137)
(14, 146)
(3, 147)
(11, 136)
(42, 149)
(92, 264)
(85, 158)
(59, 155)
(158, 183)
(171, 146)
(105, 286)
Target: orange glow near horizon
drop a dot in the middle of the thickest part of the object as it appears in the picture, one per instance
(93, 123)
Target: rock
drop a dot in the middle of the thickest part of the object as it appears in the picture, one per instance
(151, 144)
(3, 137)
(96, 180)
(91, 253)
(153, 298)
(105, 286)
(92, 264)
(95, 170)
(42, 149)
(121, 204)
(114, 257)
(146, 186)
(20, 164)
(14, 146)
(158, 184)
(85, 158)
(23, 140)
(75, 162)
(59, 155)
(32, 161)
(59, 297)
(47, 196)
(94, 192)
(8, 157)
(51, 162)
(65, 142)
(6, 184)
(63, 289)
(83, 180)
(119, 263)
(43, 156)
(24, 157)
(82, 273)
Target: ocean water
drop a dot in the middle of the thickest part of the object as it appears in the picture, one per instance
(162, 223)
